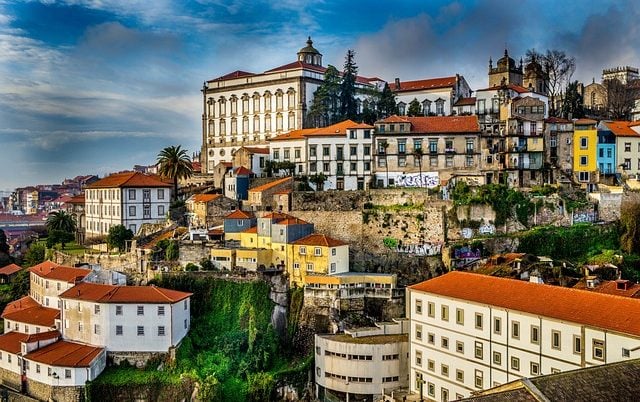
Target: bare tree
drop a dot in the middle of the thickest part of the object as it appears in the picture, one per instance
(620, 98)
(559, 69)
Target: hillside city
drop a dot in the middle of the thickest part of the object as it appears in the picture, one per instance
(344, 238)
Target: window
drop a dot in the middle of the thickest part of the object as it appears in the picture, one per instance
(584, 160)
(161, 194)
(140, 330)
(118, 310)
(38, 368)
(460, 375)
(444, 313)
(160, 210)
(626, 352)
(535, 368)
(627, 164)
(419, 359)
(515, 329)
(118, 329)
(161, 330)
(431, 338)
(583, 176)
(313, 166)
(333, 267)
(132, 210)
(460, 316)
(598, 350)
(317, 251)
(367, 150)
(185, 304)
(478, 379)
(96, 309)
(185, 324)
(627, 147)
(515, 363)
(419, 332)
(555, 340)
(402, 147)
(577, 344)
(96, 329)
(309, 267)
(132, 194)
(445, 342)
(497, 358)
(286, 154)
(478, 321)
(448, 161)
(325, 150)
(431, 389)
(325, 167)
(478, 350)
(160, 310)
(535, 335)
(418, 306)
(276, 154)
(140, 310)
(431, 309)
(584, 141)
(67, 373)
(444, 370)
(431, 365)
(459, 346)
(402, 161)
(303, 250)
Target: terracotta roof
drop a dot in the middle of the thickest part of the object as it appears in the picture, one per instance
(583, 122)
(230, 76)
(334, 130)
(557, 120)
(317, 239)
(573, 305)
(28, 311)
(293, 135)
(362, 125)
(215, 232)
(65, 354)
(42, 336)
(252, 229)
(77, 199)
(611, 288)
(10, 342)
(51, 270)
(296, 65)
(291, 221)
(123, 294)
(130, 179)
(205, 197)
(394, 119)
(275, 216)
(465, 102)
(10, 269)
(439, 124)
(283, 192)
(242, 171)
(270, 185)
(238, 214)
(621, 128)
(431, 83)
(257, 150)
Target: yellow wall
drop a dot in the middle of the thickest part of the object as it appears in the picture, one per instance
(320, 263)
(589, 151)
(535, 144)
(249, 240)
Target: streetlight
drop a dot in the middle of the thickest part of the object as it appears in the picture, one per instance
(420, 381)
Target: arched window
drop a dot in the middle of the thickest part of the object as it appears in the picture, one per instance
(279, 122)
(291, 99)
(211, 110)
(222, 106)
(245, 104)
(402, 108)
(267, 101)
(234, 105)
(426, 107)
(279, 100)
(212, 130)
(256, 102)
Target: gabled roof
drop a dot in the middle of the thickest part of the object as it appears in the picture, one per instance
(599, 310)
(10, 269)
(291, 221)
(271, 184)
(100, 293)
(205, 197)
(65, 354)
(130, 179)
(242, 171)
(57, 272)
(28, 311)
(557, 120)
(438, 124)
(431, 83)
(252, 229)
(230, 76)
(317, 239)
(238, 214)
(334, 130)
(10, 342)
(297, 65)
(621, 128)
(466, 102)
(514, 87)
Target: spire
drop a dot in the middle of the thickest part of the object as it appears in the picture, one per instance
(506, 53)
(490, 63)
(309, 41)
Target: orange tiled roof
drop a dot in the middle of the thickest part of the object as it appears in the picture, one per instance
(230, 76)
(334, 130)
(431, 83)
(275, 216)
(65, 354)
(252, 229)
(621, 128)
(584, 122)
(557, 120)
(270, 185)
(123, 294)
(317, 239)
(10, 269)
(205, 197)
(51, 270)
(465, 102)
(573, 305)
(238, 214)
(130, 179)
(10, 342)
(27, 310)
(257, 150)
(77, 199)
(242, 171)
(438, 124)
(291, 221)
(611, 288)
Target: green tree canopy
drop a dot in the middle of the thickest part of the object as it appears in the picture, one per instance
(118, 236)
(59, 237)
(630, 223)
(572, 106)
(34, 255)
(61, 220)
(387, 105)
(348, 105)
(324, 109)
(415, 108)
(175, 164)
(318, 179)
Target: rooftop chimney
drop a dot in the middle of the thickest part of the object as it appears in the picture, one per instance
(397, 83)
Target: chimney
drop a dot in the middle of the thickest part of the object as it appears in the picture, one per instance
(397, 84)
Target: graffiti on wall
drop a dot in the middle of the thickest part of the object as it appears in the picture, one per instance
(428, 180)
(584, 217)
(424, 249)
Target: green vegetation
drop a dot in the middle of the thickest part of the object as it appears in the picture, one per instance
(34, 255)
(175, 164)
(118, 236)
(506, 202)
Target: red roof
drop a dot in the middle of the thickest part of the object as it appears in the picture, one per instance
(242, 171)
(271, 184)
(238, 214)
(292, 221)
(123, 294)
(53, 271)
(626, 288)
(77, 199)
(557, 120)
(205, 197)
(438, 124)
(621, 128)
(65, 354)
(317, 239)
(28, 311)
(10, 269)
(431, 83)
(605, 311)
(334, 130)
(10, 342)
(257, 150)
(252, 229)
(584, 122)
(130, 179)
(230, 76)
(297, 65)
(465, 102)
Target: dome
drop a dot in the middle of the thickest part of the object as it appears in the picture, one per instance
(506, 62)
(310, 54)
(309, 48)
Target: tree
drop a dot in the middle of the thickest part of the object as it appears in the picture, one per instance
(324, 109)
(318, 179)
(620, 99)
(20, 285)
(414, 108)
(173, 251)
(5, 258)
(387, 105)
(56, 236)
(417, 154)
(61, 220)
(175, 164)
(288, 167)
(34, 255)
(572, 105)
(348, 105)
(118, 236)
(630, 225)
(558, 68)
(270, 168)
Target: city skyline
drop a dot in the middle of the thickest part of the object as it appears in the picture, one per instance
(92, 87)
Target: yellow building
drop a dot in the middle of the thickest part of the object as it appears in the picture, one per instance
(252, 258)
(223, 258)
(585, 145)
(316, 254)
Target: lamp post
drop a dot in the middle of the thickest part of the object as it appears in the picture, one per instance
(421, 382)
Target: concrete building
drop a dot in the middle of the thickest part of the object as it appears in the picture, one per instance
(558, 138)
(359, 364)
(471, 332)
(130, 199)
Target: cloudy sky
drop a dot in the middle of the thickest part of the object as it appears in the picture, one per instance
(95, 86)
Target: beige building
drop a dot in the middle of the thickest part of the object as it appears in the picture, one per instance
(436, 96)
(558, 137)
(471, 332)
(359, 364)
(209, 209)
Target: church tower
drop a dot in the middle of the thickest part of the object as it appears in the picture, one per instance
(310, 55)
(505, 72)
(535, 78)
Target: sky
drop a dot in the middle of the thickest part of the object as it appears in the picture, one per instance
(97, 86)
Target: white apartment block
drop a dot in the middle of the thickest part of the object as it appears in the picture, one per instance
(130, 199)
(471, 332)
(437, 96)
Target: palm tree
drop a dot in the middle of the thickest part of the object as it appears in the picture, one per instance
(417, 154)
(61, 220)
(175, 164)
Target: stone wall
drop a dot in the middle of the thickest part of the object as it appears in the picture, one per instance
(355, 200)
(44, 392)
(194, 251)
(138, 359)
(10, 379)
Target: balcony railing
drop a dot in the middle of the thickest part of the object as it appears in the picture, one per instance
(450, 150)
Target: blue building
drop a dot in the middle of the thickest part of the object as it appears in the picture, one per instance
(606, 151)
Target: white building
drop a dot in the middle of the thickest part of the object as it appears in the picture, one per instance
(130, 199)
(437, 96)
(342, 152)
(125, 318)
(471, 332)
(360, 363)
(48, 279)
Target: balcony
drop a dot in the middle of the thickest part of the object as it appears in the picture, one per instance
(450, 150)
(433, 151)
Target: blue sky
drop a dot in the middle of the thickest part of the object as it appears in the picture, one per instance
(95, 86)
